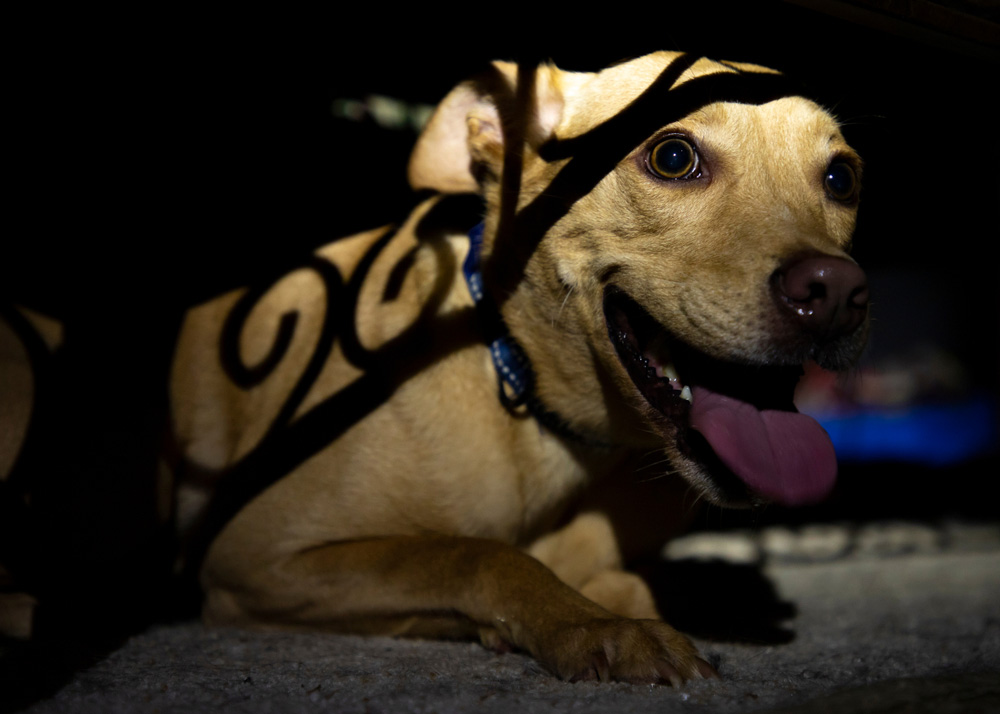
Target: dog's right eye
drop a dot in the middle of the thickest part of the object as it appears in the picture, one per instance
(841, 181)
(674, 158)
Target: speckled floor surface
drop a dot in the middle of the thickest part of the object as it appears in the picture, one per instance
(893, 617)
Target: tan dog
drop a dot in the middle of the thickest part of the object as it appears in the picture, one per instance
(663, 247)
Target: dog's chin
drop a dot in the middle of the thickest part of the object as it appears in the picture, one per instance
(730, 429)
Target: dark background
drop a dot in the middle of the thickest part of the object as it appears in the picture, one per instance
(158, 160)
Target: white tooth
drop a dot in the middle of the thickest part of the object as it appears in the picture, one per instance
(670, 372)
(686, 394)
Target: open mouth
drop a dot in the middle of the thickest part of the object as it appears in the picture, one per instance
(733, 424)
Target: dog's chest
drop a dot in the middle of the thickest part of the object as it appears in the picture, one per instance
(473, 466)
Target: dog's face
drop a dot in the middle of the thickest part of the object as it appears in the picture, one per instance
(682, 284)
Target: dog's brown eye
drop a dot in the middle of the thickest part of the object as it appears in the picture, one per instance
(674, 158)
(841, 181)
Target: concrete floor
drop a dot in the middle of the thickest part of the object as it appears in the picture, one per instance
(890, 617)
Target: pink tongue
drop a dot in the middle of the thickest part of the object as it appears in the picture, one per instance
(785, 456)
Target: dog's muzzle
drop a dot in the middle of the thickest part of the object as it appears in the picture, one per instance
(736, 420)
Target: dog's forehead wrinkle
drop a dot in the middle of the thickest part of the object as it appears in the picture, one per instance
(785, 131)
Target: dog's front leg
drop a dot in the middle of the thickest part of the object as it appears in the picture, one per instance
(430, 585)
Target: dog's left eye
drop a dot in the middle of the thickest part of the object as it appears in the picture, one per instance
(674, 158)
(840, 181)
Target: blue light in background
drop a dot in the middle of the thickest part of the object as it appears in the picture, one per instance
(931, 434)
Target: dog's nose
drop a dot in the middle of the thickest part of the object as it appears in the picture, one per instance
(826, 295)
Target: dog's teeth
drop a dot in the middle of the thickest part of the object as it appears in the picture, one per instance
(686, 394)
(669, 372)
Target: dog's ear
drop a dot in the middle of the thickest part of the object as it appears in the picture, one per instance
(463, 142)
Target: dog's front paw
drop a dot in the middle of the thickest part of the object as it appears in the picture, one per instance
(620, 649)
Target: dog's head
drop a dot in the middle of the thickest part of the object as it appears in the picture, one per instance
(667, 240)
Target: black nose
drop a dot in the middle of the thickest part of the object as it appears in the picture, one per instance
(826, 295)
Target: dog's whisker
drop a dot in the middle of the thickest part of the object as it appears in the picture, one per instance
(562, 306)
(653, 465)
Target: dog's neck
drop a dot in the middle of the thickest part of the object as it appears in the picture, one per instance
(515, 377)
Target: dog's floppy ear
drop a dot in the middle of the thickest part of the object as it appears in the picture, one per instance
(464, 140)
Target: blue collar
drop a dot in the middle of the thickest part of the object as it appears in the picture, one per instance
(514, 374)
(512, 365)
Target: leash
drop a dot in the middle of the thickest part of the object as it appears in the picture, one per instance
(515, 377)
